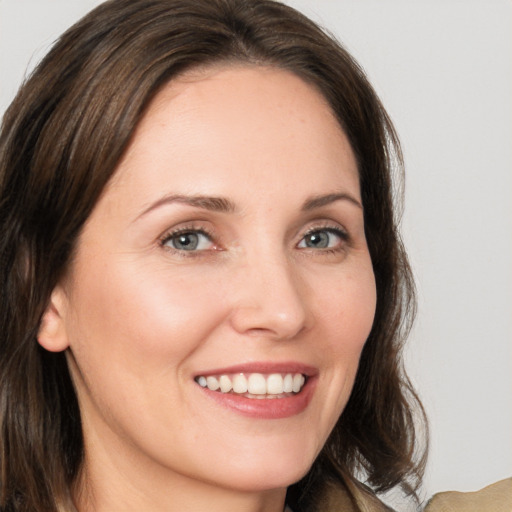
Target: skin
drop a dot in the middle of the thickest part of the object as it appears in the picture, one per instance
(140, 318)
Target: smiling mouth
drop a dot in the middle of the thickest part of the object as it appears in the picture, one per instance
(255, 385)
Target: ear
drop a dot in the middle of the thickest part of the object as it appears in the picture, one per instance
(52, 334)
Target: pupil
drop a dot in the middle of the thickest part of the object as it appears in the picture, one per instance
(320, 239)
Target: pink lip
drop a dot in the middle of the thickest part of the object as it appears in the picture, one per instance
(266, 408)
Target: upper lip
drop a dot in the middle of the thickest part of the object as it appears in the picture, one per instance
(263, 367)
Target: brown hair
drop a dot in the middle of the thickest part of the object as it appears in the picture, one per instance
(60, 143)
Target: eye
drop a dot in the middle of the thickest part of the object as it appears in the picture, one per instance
(190, 240)
(326, 238)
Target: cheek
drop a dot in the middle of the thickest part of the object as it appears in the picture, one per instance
(140, 322)
(348, 310)
(347, 315)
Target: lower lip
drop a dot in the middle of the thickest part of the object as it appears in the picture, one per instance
(271, 408)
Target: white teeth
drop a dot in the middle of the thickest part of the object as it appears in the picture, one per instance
(212, 383)
(287, 383)
(256, 385)
(298, 382)
(225, 384)
(240, 384)
(275, 384)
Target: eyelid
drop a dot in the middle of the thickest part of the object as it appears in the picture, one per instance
(336, 228)
(333, 227)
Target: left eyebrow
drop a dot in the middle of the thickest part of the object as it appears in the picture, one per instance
(324, 200)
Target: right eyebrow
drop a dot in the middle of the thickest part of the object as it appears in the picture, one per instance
(214, 204)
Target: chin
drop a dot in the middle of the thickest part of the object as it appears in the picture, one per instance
(265, 479)
(274, 470)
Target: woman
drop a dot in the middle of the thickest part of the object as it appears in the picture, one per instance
(204, 294)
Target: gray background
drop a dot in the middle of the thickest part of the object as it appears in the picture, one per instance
(443, 69)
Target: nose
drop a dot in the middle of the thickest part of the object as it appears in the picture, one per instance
(270, 300)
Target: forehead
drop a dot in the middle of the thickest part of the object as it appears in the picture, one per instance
(249, 122)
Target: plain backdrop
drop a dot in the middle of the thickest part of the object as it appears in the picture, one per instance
(443, 69)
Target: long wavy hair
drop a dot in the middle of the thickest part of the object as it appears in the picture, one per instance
(60, 143)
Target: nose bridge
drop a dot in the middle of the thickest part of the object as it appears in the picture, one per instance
(270, 295)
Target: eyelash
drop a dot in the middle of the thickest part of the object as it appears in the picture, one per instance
(194, 229)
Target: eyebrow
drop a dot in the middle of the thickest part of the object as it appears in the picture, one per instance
(224, 205)
(214, 204)
(324, 200)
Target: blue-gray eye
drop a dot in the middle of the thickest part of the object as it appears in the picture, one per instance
(189, 241)
(322, 239)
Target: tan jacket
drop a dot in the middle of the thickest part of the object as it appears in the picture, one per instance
(494, 498)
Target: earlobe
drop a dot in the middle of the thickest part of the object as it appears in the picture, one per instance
(52, 333)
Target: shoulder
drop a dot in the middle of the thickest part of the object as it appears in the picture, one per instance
(494, 498)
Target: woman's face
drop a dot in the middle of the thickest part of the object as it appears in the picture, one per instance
(228, 250)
